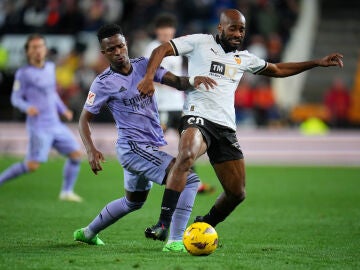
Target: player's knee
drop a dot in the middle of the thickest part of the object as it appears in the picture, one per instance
(186, 159)
(238, 196)
(75, 156)
(32, 166)
(133, 206)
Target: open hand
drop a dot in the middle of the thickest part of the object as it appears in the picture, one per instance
(207, 81)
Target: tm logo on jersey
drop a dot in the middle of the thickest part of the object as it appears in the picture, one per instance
(217, 69)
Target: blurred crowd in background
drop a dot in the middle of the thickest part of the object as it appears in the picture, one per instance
(269, 24)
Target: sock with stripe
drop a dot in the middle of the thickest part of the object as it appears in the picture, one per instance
(13, 171)
(183, 208)
(70, 173)
(112, 212)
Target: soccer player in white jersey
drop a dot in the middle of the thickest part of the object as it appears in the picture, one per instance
(34, 93)
(139, 137)
(209, 121)
(170, 101)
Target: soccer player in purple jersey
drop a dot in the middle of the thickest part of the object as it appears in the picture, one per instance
(34, 93)
(209, 124)
(139, 137)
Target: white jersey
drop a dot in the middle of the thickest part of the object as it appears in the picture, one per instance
(168, 98)
(207, 58)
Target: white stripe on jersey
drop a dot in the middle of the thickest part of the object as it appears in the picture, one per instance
(207, 58)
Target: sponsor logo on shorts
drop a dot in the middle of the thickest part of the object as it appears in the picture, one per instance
(236, 145)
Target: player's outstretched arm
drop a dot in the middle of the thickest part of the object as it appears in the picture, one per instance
(289, 69)
(185, 83)
(95, 157)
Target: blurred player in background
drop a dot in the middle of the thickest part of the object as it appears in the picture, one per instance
(170, 101)
(209, 124)
(34, 93)
(139, 138)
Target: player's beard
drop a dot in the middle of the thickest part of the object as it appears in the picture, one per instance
(227, 45)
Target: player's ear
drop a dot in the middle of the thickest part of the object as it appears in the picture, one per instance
(219, 28)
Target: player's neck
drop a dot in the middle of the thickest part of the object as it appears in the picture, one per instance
(38, 64)
(125, 70)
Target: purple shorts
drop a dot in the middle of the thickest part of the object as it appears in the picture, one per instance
(143, 164)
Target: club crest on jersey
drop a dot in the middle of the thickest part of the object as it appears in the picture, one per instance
(16, 86)
(237, 59)
(90, 98)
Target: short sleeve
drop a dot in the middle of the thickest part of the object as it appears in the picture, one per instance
(186, 44)
(96, 97)
(256, 64)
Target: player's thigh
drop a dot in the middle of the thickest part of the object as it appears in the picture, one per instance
(144, 160)
(192, 142)
(231, 175)
(65, 142)
(39, 146)
(135, 183)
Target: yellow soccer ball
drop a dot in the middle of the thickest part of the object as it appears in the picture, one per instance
(200, 239)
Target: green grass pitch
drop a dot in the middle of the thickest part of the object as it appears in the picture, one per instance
(293, 218)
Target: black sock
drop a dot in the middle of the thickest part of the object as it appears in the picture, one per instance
(214, 217)
(168, 206)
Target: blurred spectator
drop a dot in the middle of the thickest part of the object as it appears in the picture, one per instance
(244, 104)
(72, 21)
(274, 48)
(94, 10)
(66, 71)
(52, 24)
(258, 47)
(264, 103)
(35, 15)
(337, 100)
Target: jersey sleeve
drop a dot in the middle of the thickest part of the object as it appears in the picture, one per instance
(60, 106)
(186, 44)
(96, 97)
(160, 72)
(17, 95)
(256, 64)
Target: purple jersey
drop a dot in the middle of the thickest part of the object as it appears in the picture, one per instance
(136, 117)
(37, 87)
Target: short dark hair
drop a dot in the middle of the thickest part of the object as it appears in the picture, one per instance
(108, 30)
(165, 20)
(32, 37)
